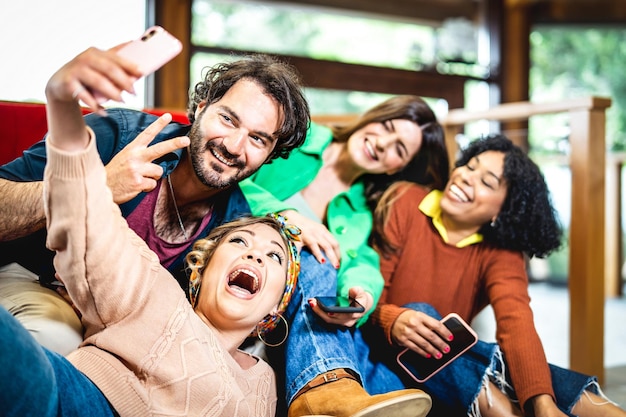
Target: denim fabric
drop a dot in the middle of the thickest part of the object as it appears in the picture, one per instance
(39, 383)
(314, 347)
(568, 386)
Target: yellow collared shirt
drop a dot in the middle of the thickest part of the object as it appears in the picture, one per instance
(430, 207)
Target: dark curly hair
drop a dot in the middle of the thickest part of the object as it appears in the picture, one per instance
(278, 80)
(429, 167)
(527, 221)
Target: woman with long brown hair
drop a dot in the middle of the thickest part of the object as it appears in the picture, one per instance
(328, 188)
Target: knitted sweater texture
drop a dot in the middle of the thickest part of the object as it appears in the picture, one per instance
(144, 346)
(462, 280)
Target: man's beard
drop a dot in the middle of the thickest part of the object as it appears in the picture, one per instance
(211, 173)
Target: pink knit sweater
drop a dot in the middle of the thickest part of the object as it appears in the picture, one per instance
(144, 346)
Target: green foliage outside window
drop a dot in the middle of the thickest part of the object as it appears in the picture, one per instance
(572, 62)
(312, 32)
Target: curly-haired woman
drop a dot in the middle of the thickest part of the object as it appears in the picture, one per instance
(459, 250)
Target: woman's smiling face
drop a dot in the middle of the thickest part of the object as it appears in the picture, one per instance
(476, 191)
(245, 278)
(385, 147)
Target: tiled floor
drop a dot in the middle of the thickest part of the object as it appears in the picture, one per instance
(552, 301)
(615, 386)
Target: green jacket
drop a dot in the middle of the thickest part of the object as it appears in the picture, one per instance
(348, 217)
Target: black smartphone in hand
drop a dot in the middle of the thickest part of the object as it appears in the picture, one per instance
(339, 305)
(421, 368)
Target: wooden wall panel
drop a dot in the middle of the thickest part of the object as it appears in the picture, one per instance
(171, 82)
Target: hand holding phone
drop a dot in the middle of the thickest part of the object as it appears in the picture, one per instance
(150, 52)
(339, 305)
(421, 368)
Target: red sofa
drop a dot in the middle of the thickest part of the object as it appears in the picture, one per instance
(22, 124)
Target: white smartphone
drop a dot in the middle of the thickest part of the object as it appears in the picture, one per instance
(421, 368)
(152, 50)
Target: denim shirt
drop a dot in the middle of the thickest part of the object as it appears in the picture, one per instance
(113, 133)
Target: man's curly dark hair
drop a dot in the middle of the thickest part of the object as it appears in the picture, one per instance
(278, 80)
(527, 221)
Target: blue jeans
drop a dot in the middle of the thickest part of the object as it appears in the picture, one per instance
(38, 382)
(314, 347)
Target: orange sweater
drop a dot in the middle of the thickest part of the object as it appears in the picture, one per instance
(462, 280)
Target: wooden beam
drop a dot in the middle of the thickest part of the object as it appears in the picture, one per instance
(523, 110)
(335, 75)
(172, 81)
(586, 260)
(342, 76)
(614, 225)
(516, 65)
(578, 12)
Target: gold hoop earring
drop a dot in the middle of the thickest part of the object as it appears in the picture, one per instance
(266, 343)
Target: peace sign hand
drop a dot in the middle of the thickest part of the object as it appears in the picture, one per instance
(132, 170)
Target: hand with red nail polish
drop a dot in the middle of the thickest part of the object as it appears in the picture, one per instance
(316, 237)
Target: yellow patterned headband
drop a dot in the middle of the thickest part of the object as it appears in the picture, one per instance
(290, 234)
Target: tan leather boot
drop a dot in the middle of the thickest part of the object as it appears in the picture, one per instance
(338, 394)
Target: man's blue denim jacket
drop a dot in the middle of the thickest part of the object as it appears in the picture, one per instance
(113, 133)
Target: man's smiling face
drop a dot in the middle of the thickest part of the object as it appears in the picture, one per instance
(234, 136)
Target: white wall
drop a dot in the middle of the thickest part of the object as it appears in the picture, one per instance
(38, 36)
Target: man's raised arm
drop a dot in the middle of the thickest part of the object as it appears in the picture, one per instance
(21, 209)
